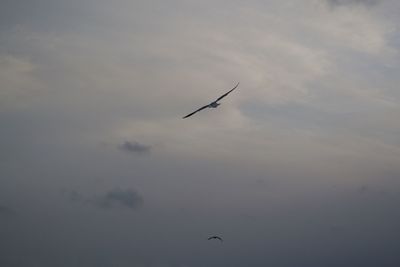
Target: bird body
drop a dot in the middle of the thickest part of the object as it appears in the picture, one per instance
(215, 237)
(213, 104)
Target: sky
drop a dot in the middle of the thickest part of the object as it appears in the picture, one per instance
(299, 166)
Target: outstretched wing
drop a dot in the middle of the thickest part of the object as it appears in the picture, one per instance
(206, 106)
(219, 98)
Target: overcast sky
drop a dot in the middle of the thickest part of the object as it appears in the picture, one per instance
(300, 166)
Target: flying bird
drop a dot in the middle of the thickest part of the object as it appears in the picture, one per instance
(213, 104)
(215, 237)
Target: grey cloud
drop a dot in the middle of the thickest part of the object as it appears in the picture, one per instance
(135, 147)
(119, 198)
(115, 198)
(75, 196)
(350, 2)
(363, 189)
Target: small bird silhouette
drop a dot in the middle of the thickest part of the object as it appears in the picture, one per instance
(213, 104)
(215, 237)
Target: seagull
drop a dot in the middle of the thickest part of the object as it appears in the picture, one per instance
(215, 237)
(213, 104)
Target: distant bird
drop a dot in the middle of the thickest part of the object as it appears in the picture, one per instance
(213, 104)
(215, 237)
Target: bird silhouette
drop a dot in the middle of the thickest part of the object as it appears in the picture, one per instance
(215, 237)
(213, 104)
